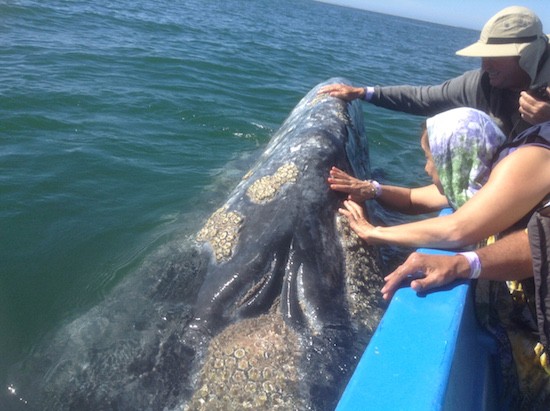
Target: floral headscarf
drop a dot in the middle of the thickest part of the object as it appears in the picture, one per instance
(463, 142)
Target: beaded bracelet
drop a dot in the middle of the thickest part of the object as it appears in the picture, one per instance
(376, 188)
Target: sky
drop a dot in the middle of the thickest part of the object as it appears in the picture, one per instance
(472, 14)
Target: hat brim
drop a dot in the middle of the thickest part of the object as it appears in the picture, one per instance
(482, 49)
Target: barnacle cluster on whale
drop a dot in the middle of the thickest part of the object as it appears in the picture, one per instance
(255, 363)
(222, 228)
(221, 231)
(266, 188)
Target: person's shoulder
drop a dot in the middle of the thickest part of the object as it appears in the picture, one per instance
(470, 77)
(529, 156)
(475, 73)
(536, 133)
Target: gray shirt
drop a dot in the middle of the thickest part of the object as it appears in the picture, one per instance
(471, 89)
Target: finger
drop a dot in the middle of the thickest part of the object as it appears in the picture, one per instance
(344, 175)
(336, 177)
(528, 117)
(326, 89)
(390, 285)
(339, 181)
(388, 295)
(527, 101)
(395, 277)
(393, 282)
(352, 208)
(339, 187)
(402, 272)
(342, 182)
(338, 173)
(388, 290)
(418, 286)
(423, 284)
(357, 209)
(350, 205)
(426, 283)
(347, 205)
(344, 212)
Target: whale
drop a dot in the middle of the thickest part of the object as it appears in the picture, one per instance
(267, 306)
(278, 244)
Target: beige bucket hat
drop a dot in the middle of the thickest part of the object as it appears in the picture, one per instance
(506, 34)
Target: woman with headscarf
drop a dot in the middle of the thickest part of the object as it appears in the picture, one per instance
(459, 146)
(462, 143)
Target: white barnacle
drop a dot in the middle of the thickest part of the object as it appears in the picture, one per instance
(266, 188)
(221, 231)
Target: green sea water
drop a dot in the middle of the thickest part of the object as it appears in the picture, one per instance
(124, 124)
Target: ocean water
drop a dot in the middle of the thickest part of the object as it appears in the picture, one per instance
(124, 124)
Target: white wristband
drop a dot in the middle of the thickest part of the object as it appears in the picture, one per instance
(475, 264)
(369, 91)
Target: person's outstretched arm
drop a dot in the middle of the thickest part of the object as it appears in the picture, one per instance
(507, 259)
(516, 185)
(403, 199)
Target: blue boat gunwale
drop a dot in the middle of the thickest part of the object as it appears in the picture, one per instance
(428, 353)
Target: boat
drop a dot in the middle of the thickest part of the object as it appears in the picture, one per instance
(428, 353)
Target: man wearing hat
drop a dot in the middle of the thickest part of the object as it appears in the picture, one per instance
(514, 57)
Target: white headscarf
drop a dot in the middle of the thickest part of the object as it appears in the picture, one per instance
(463, 141)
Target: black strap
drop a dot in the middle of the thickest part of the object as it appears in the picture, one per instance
(539, 240)
(530, 139)
(539, 134)
(542, 60)
(511, 40)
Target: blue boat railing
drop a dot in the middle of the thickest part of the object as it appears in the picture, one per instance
(428, 353)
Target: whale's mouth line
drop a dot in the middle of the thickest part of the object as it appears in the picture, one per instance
(264, 291)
